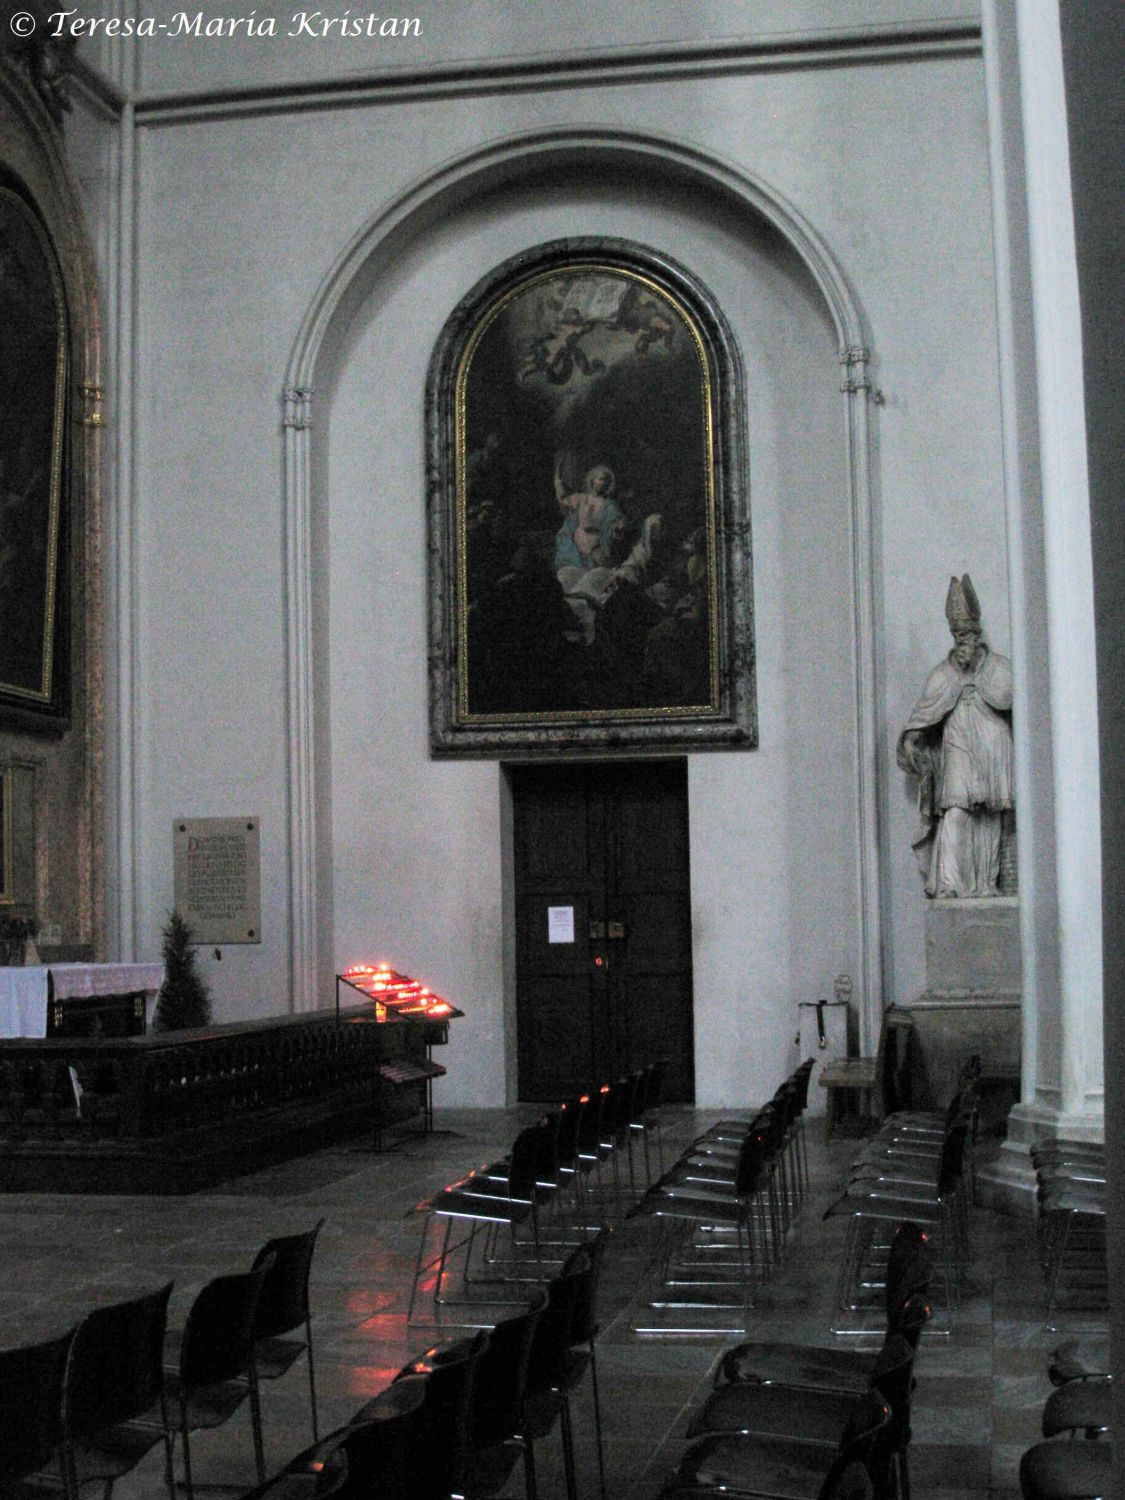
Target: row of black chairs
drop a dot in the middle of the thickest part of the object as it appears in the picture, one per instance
(458, 1419)
(92, 1403)
(917, 1165)
(726, 1208)
(1070, 1181)
(1062, 1467)
(558, 1172)
(806, 1422)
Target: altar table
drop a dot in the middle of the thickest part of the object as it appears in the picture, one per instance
(24, 992)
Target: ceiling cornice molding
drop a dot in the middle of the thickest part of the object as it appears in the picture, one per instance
(612, 67)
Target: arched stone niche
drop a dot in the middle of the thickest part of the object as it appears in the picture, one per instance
(56, 757)
(619, 174)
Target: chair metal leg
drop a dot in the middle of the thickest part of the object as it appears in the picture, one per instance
(169, 1468)
(312, 1379)
(530, 1478)
(256, 1424)
(597, 1418)
(418, 1267)
(566, 1431)
(187, 1450)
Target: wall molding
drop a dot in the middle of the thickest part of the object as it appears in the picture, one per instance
(604, 67)
(535, 155)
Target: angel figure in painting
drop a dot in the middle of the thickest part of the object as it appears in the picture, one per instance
(958, 742)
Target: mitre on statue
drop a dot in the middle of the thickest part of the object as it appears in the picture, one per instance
(962, 607)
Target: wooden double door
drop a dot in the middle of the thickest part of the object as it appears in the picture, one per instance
(603, 925)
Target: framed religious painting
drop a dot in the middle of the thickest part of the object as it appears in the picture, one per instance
(33, 426)
(589, 529)
(6, 884)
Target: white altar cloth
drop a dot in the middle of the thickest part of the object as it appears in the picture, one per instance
(23, 991)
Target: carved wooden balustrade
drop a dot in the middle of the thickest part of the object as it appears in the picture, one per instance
(178, 1110)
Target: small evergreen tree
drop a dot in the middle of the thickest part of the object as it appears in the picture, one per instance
(184, 1000)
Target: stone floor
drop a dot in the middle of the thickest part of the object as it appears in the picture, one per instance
(981, 1385)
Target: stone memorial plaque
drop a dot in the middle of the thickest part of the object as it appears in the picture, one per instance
(217, 869)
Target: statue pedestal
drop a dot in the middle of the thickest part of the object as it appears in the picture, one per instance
(971, 1003)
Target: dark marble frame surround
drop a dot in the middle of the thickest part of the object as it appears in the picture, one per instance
(732, 722)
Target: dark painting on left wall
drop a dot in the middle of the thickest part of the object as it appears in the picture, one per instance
(33, 403)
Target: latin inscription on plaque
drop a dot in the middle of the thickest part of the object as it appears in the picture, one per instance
(218, 878)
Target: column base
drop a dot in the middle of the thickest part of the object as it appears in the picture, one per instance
(1007, 1183)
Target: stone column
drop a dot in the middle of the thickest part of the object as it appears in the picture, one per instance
(1051, 591)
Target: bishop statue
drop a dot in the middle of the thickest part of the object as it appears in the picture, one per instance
(958, 742)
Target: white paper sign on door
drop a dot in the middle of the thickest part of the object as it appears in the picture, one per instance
(560, 924)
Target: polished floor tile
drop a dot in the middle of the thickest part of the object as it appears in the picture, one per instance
(981, 1372)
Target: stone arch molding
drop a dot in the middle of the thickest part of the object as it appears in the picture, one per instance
(534, 154)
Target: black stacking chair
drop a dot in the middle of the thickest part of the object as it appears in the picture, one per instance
(283, 1308)
(464, 1438)
(569, 1166)
(33, 1380)
(116, 1380)
(1080, 1406)
(649, 1121)
(443, 1452)
(715, 1154)
(796, 1367)
(496, 1428)
(557, 1365)
(937, 1209)
(209, 1367)
(817, 1416)
(1072, 1243)
(592, 1150)
(748, 1467)
(1067, 1471)
(617, 1132)
(846, 1480)
(378, 1456)
(556, 1140)
(690, 1275)
(584, 1330)
(1079, 1358)
(909, 1274)
(482, 1201)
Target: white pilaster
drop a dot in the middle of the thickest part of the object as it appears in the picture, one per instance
(1051, 581)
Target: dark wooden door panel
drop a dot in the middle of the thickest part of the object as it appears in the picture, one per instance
(657, 931)
(657, 1013)
(610, 843)
(556, 1044)
(536, 953)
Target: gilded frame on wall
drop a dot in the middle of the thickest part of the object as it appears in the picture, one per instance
(34, 348)
(6, 882)
(590, 573)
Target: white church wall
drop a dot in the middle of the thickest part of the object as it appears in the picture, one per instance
(417, 845)
(239, 221)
